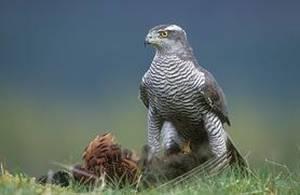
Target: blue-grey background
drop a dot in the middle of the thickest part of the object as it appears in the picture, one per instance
(71, 69)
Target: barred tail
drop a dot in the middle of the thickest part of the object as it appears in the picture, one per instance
(236, 157)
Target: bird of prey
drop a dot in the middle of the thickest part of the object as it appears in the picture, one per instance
(185, 103)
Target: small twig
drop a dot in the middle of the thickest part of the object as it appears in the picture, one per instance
(138, 182)
(279, 165)
(102, 180)
(73, 169)
(254, 192)
(65, 166)
(247, 155)
(1, 169)
(50, 176)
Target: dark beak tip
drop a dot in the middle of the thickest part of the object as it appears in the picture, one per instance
(146, 43)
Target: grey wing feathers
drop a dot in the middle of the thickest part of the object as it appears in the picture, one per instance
(143, 94)
(214, 96)
(236, 158)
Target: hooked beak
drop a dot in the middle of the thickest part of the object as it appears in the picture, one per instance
(146, 43)
(148, 40)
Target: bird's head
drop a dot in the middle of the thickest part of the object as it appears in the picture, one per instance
(169, 39)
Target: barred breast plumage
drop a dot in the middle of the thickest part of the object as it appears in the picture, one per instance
(173, 90)
(173, 87)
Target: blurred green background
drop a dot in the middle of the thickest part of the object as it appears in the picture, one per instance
(70, 70)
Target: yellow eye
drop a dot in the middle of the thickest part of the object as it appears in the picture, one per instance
(163, 34)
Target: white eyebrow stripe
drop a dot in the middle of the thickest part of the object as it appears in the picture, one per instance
(173, 27)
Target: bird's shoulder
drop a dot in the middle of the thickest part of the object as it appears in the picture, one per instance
(214, 95)
(143, 95)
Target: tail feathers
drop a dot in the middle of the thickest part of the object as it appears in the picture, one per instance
(216, 165)
(211, 167)
(198, 167)
(236, 157)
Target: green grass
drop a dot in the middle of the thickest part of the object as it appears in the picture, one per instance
(271, 179)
